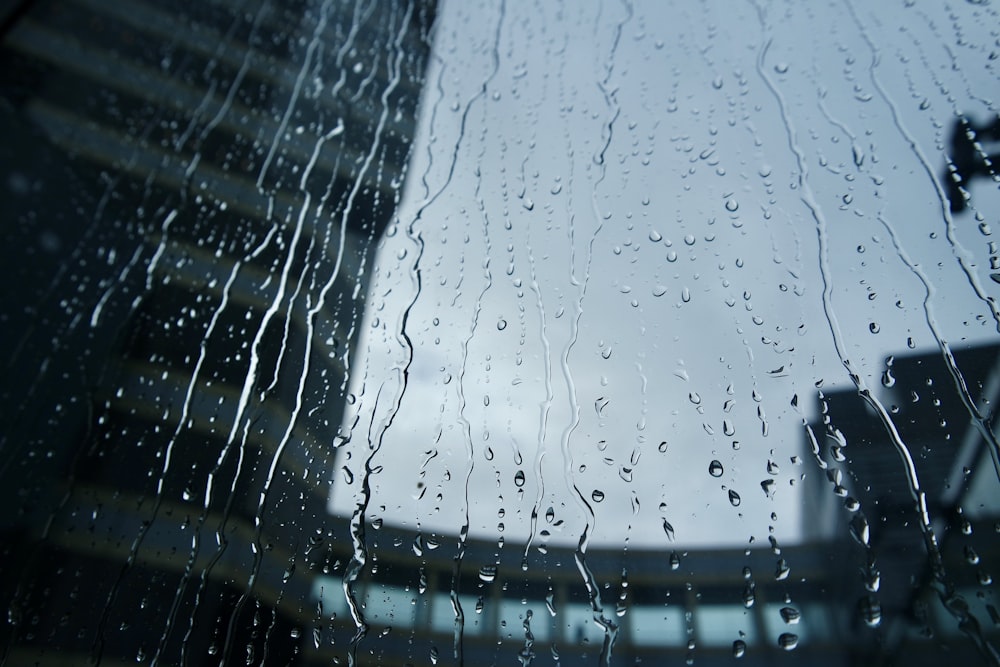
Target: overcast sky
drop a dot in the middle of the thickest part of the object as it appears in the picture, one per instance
(642, 231)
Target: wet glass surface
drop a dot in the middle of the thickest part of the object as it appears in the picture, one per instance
(392, 333)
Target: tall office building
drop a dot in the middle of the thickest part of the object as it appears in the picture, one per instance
(939, 461)
(194, 195)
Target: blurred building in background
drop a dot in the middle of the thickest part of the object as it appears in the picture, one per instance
(942, 405)
(207, 184)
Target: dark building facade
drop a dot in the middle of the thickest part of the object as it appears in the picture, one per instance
(940, 464)
(207, 184)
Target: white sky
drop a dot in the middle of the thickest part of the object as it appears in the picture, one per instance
(624, 288)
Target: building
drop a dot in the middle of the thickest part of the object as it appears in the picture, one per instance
(942, 407)
(227, 170)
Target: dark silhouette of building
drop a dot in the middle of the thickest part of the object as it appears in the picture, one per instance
(194, 194)
(942, 405)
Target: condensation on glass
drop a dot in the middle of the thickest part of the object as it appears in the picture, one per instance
(392, 333)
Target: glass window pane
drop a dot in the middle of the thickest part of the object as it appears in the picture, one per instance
(657, 626)
(718, 625)
(644, 330)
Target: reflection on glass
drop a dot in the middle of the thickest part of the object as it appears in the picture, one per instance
(390, 606)
(657, 626)
(719, 625)
(579, 627)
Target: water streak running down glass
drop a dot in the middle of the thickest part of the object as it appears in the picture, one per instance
(472, 333)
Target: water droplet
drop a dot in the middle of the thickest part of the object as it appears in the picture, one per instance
(739, 648)
(668, 529)
(871, 611)
(600, 404)
(858, 528)
(675, 561)
(790, 615)
(749, 594)
(781, 68)
(788, 641)
(519, 478)
(732, 205)
(871, 577)
(873, 327)
(715, 468)
(501, 324)
(655, 236)
(734, 498)
(689, 239)
(695, 398)
(781, 570)
(597, 495)
(488, 573)
(686, 295)
(550, 603)
(859, 155)
(768, 487)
